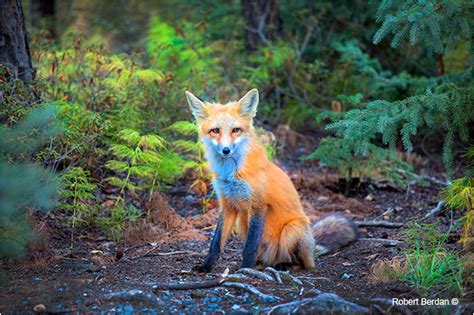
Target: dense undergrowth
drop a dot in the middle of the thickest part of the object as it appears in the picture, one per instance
(121, 121)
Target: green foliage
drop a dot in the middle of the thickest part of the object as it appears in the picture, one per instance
(114, 219)
(77, 194)
(448, 107)
(14, 94)
(24, 186)
(183, 52)
(460, 195)
(341, 156)
(84, 133)
(144, 157)
(435, 24)
(428, 265)
(444, 102)
(193, 152)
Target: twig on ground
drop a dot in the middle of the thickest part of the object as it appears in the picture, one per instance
(251, 289)
(275, 274)
(194, 285)
(150, 253)
(439, 207)
(381, 240)
(256, 274)
(386, 224)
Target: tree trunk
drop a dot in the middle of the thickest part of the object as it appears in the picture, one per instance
(262, 22)
(43, 14)
(14, 50)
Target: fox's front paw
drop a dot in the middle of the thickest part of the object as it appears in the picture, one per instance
(202, 268)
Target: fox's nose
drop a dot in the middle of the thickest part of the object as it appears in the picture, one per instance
(225, 150)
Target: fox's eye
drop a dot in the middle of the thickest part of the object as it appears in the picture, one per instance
(237, 129)
(214, 130)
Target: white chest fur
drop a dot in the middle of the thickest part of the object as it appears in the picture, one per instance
(226, 184)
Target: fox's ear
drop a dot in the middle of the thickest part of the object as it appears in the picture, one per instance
(249, 103)
(197, 105)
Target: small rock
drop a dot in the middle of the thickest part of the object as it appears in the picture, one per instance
(198, 294)
(190, 198)
(39, 308)
(347, 276)
(370, 197)
(325, 303)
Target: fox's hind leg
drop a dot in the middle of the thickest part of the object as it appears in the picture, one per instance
(295, 246)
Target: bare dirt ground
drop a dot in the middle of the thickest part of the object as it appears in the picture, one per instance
(83, 273)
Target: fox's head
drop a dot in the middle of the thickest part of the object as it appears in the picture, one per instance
(225, 128)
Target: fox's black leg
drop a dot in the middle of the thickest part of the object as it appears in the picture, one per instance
(214, 251)
(253, 240)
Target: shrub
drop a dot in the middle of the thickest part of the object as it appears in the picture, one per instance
(24, 185)
(341, 156)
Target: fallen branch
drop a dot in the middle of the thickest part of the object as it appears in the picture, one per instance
(150, 253)
(379, 223)
(251, 289)
(381, 240)
(194, 285)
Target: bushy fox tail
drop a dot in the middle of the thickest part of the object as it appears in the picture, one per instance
(333, 231)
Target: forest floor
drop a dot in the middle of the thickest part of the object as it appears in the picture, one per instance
(82, 273)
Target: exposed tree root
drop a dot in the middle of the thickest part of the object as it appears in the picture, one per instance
(275, 274)
(251, 289)
(256, 274)
(287, 277)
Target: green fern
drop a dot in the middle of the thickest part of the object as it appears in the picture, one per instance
(77, 193)
(144, 157)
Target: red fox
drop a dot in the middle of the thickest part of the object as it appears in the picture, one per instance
(257, 195)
